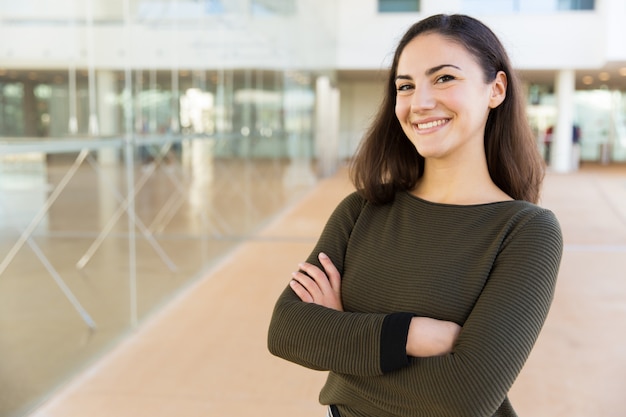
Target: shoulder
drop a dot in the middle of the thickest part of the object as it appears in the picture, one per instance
(536, 224)
(351, 204)
(344, 217)
(523, 212)
(349, 208)
(355, 208)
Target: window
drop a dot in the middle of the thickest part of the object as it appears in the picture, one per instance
(11, 108)
(577, 4)
(523, 6)
(394, 6)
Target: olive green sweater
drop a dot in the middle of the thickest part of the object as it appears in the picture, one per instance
(491, 268)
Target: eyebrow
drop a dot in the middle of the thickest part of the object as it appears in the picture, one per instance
(429, 71)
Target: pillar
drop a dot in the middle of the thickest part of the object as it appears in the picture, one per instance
(108, 120)
(326, 126)
(562, 148)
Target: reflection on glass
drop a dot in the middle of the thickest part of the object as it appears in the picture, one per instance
(196, 111)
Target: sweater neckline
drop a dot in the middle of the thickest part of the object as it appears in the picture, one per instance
(476, 205)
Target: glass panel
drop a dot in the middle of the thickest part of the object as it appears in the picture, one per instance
(211, 136)
(11, 111)
(392, 6)
(619, 151)
(594, 111)
(523, 6)
(599, 122)
(576, 4)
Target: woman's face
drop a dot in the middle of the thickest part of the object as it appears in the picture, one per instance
(442, 99)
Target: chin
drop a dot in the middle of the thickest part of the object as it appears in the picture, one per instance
(429, 151)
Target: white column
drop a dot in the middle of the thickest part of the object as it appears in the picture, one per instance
(326, 126)
(108, 120)
(562, 148)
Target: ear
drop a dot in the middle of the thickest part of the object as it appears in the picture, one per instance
(498, 90)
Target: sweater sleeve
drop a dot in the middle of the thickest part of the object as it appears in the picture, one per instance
(325, 339)
(501, 330)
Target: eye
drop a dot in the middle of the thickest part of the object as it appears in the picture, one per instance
(402, 88)
(444, 78)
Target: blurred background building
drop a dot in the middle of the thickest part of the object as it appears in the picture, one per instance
(141, 140)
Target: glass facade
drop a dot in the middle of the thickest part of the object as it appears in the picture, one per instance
(577, 4)
(398, 6)
(245, 70)
(165, 161)
(245, 104)
(599, 122)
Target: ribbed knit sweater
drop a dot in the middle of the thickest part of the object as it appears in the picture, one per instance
(490, 268)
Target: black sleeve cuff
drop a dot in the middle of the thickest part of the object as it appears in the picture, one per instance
(393, 338)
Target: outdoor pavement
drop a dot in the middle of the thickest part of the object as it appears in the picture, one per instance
(205, 353)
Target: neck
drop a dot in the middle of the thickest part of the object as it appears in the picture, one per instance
(458, 183)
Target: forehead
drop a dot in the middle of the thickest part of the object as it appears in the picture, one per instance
(432, 49)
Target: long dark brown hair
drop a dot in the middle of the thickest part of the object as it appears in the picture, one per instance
(387, 161)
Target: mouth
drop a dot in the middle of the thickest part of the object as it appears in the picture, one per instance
(430, 124)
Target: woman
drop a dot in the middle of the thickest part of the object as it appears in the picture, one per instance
(429, 285)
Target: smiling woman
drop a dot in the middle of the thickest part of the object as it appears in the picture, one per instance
(443, 101)
(434, 69)
(430, 284)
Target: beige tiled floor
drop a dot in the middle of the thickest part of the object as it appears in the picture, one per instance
(204, 354)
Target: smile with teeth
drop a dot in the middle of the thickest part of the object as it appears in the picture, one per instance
(432, 124)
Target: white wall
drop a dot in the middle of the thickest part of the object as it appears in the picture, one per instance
(359, 102)
(345, 34)
(367, 39)
(549, 40)
(615, 12)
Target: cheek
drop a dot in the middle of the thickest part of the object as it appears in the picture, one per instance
(402, 110)
(456, 99)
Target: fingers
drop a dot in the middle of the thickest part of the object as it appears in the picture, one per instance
(331, 271)
(316, 280)
(314, 285)
(300, 291)
(304, 279)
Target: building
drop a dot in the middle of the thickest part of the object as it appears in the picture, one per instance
(231, 81)
(248, 68)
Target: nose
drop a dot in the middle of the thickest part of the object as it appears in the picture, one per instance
(423, 98)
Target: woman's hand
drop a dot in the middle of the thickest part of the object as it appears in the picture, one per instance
(313, 285)
(431, 337)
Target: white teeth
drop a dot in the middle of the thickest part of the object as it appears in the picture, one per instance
(431, 124)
